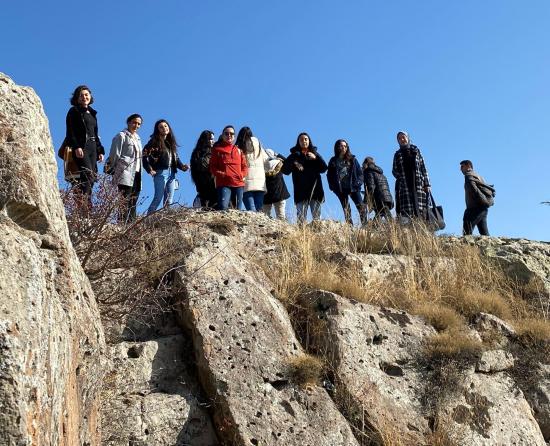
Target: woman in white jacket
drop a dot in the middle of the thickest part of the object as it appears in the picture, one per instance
(258, 163)
(125, 165)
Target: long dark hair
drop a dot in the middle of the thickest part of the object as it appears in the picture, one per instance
(76, 94)
(348, 156)
(244, 141)
(203, 143)
(297, 147)
(169, 143)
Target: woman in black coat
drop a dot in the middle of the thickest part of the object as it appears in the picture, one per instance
(82, 137)
(200, 170)
(377, 189)
(306, 166)
(345, 179)
(277, 193)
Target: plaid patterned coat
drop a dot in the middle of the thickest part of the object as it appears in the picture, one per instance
(410, 203)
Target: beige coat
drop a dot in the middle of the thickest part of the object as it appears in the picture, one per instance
(258, 164)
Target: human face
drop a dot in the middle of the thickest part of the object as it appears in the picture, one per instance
(402, 139)
(229, 135)
(304, 141)
(163, 129)
(84, 98)
(463, 168)
(211, 140)
(134, 125)
(342, 148)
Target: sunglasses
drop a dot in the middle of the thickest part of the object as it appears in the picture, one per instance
(229, 133)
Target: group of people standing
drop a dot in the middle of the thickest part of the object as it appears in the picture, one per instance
(237, 169)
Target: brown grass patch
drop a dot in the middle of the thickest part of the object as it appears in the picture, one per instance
(452, 344)
(439, 316)
(305, 369)
(471, 301)
(533, 331)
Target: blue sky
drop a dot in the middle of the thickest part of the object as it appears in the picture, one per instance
(468, 80)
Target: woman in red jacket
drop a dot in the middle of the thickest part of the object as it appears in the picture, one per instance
(229, 167)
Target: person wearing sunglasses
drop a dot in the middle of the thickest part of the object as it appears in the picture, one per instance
(229, 167)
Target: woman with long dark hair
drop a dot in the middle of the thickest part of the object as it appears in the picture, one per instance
(257, 161)
(345, 179)
(82, 137)
(306, 166)
(412, 184)
(161, 161)
(200, 170)
(125, 165)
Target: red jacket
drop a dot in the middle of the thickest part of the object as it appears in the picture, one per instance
(228, 165)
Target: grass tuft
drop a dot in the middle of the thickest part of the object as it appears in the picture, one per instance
(305, 369)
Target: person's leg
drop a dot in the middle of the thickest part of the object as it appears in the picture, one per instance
(301, 212)
(344, 201)
(159, 183)
(258, 200)
(224, 195)
(239, 196)
(86, 165)
(481, 221)
(134, 196)
(169, 190)
(280, 209)
(358, 200)
(467, 227)
(248, 200)
(124, 204)
(315, 207)
(266, 209)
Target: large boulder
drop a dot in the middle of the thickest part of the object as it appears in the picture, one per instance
(51, 339)
(244, 344)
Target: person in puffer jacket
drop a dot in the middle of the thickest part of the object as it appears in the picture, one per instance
(479, 197)
(377, 191)
(228, 165)
(258, 162)
(277, 193)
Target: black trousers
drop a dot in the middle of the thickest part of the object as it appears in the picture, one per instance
(130, 194)
(88, 168)
(344, 197)
(475, 217)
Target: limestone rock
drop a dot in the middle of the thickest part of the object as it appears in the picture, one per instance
(150, 398)
(495, 361)
(243, 342)
(538, 395)
(51, 339)
(372, 351)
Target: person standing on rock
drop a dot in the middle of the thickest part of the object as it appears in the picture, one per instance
(161, 161)
(412, 184)
(345, 179)
(377, 189)
(306, 166)
(125, 164)
(479, 197)
(229, 167)
(277, 193)
(258, 162)
(200, 170)
(82, 136)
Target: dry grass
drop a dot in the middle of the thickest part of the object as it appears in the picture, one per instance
(533, 331)
(441, 317)
(452, 344)
(305, 369)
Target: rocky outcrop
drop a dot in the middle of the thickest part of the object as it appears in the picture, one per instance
(51, 339)
(244, 343)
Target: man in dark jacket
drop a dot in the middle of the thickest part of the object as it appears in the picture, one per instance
(479, 197)
(377, 190)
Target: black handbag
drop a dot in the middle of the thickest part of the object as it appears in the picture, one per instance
(436, 221)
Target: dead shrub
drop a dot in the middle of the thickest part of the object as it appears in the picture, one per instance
(452, 344)
(474, 301)
(305, 369)
(533, 331)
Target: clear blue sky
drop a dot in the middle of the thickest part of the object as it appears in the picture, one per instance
(467, 79)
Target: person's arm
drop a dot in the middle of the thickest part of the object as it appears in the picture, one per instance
(288, 164)
(116, 150)
(214, 166)
(424, 173)
(395, 167)
(181, 166)
(145, 158)
(70, 128)
(358, 171)
(331, 175)
(480, 196)
(244, 164)
(321, 164)
(100, 148)
(369, 183)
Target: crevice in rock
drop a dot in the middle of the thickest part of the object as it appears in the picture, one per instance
(27, 217)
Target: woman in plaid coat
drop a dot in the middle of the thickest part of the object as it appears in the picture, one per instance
(412, 184)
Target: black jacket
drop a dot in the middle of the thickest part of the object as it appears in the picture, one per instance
(356, 176)
(155, 158)
(276, 187)
(75, 136)
(307, 183)
(201, 176)
(376, 185)
(478, 193)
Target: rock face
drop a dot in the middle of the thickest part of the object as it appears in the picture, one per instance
(51, 339)
(244, 342)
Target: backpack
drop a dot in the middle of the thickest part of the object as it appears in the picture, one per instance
(488, 190)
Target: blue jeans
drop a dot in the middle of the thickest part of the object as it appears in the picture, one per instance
(254, 200)
(301, 209)
(226, 193)
(164, 189)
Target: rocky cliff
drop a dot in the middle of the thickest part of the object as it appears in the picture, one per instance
(235, 329)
